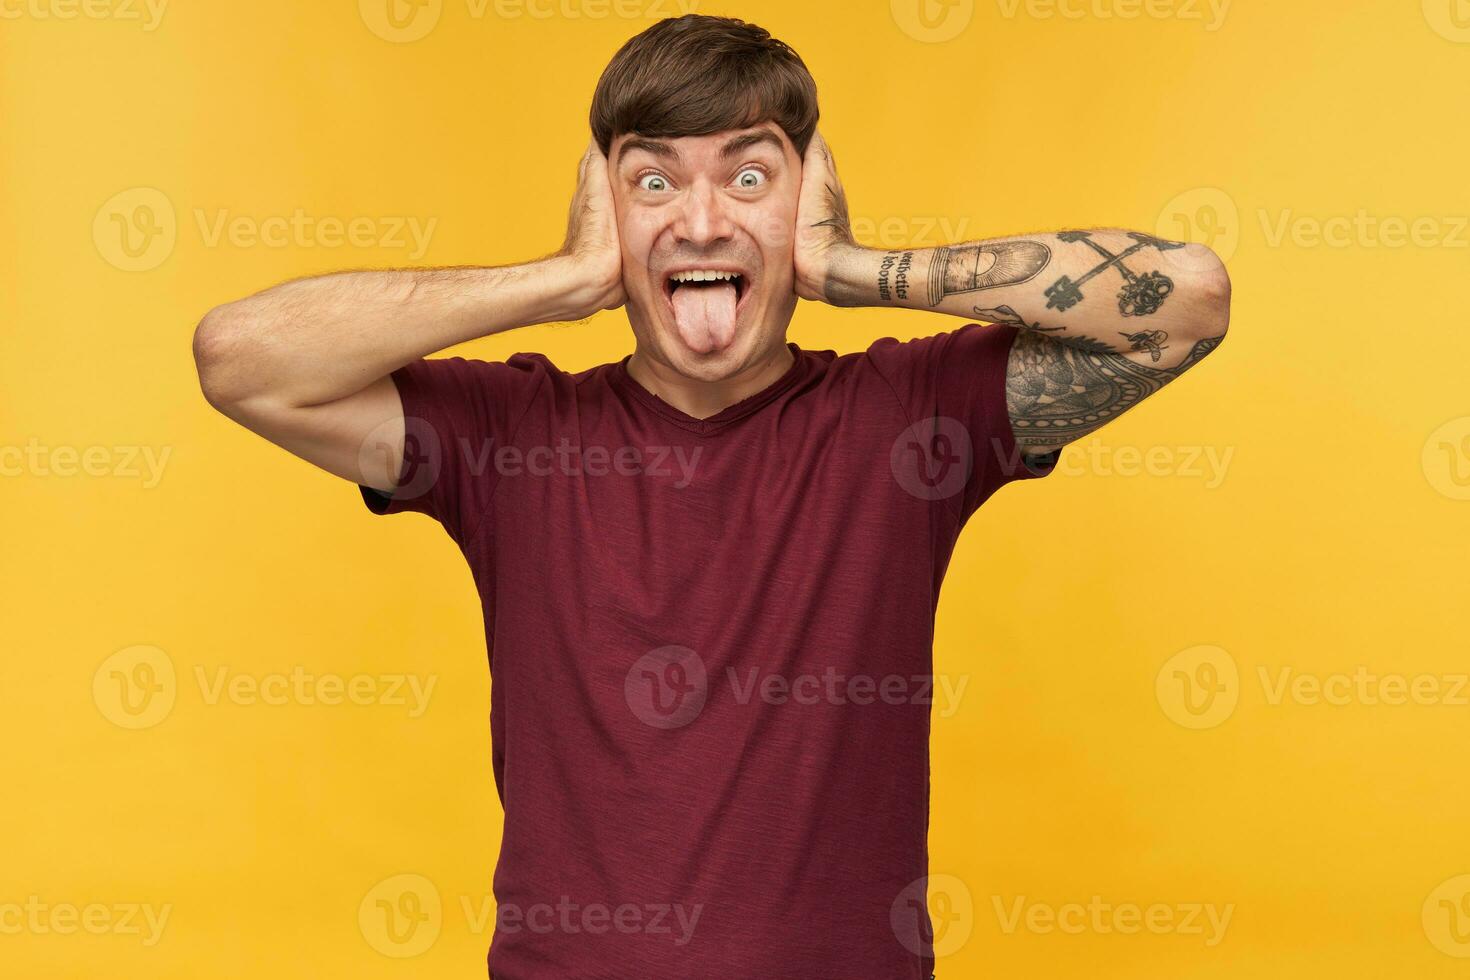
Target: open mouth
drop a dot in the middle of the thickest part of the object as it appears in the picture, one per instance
(705, 304)
(704, 279)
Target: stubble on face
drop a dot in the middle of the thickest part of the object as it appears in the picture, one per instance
(696, 218)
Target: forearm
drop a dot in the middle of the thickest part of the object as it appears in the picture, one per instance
(316, 340)
(1104, 289)
(1106, 317)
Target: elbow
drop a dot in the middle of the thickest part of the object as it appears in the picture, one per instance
(220, 358)
(1212, 290)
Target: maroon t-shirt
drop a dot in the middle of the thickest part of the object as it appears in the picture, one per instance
(710, 647)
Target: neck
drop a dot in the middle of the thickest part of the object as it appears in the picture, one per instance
(702, 399)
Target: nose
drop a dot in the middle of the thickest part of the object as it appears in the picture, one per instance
(703, 219)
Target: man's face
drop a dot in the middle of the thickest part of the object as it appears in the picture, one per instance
(707, 225)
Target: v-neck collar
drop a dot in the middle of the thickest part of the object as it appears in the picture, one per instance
(625, 382)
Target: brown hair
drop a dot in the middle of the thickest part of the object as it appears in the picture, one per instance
(695, 75)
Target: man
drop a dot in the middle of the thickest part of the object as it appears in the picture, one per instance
(709, 571)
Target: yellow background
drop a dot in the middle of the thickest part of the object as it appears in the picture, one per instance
(1334, 539)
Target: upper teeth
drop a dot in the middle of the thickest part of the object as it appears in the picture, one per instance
(703, 275)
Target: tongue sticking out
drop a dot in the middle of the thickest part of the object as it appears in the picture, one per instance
(705, 316)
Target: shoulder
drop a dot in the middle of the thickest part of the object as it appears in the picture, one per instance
(977, 337)
(970, 355)
(522, 372)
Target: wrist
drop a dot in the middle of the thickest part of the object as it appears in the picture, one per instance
(851, 276)
(573, 289)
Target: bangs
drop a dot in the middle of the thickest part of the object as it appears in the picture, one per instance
(697, 75)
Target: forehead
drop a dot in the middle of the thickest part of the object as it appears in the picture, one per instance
(711, 148)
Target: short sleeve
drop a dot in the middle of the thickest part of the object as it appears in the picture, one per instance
(457, 413)
(952, 387)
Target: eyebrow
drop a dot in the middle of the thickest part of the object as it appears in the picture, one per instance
(747, 140)
(655, 147)
(732, 148)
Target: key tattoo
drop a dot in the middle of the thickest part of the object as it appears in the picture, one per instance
(1141, 295)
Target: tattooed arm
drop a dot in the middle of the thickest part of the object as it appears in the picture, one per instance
(1105, 318)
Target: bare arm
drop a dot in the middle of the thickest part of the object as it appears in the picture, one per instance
(306, 364)
(1106, 317)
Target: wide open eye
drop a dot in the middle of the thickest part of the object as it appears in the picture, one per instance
(750, 177)
(653, 182)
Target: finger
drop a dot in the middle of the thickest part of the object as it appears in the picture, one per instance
(817, 151)
(829, 158)
(588, 155)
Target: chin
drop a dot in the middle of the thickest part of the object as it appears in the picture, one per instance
(758, 331)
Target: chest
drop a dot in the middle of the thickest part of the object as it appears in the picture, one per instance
(792, 510)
